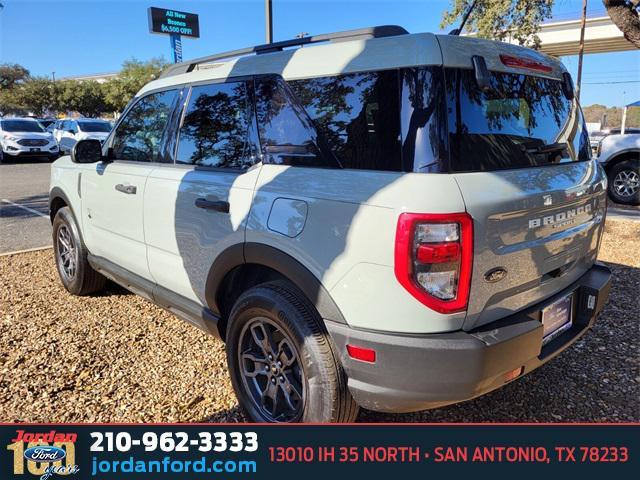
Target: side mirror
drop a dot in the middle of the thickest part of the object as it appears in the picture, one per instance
(86, 151)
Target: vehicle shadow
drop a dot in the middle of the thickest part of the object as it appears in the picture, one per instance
(7, 160)
(39, 203)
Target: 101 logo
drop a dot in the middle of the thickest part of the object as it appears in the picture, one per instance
(44, 454)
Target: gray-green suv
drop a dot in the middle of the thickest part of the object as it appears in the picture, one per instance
(376, 218)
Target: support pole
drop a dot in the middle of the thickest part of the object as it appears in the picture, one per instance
(176, 47)
(268, 17)
(581, 51)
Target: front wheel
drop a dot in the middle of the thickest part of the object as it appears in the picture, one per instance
(77, 276)
(282, 361)
(624, 182)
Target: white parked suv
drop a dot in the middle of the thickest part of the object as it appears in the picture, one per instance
(391, 220)
(620, 157)
(69, 131)
(25, 137)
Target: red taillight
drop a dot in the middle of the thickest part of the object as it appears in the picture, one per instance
(438, 253)
(433, 258)
(361, 353)
(522, 62)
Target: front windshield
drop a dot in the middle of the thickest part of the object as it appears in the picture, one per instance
(21, 126)
(104, 127)
(517, 123)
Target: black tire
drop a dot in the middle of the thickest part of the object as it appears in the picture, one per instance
(83, 279)
(624, 182)
(280, 306)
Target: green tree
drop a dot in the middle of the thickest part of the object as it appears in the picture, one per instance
(133, 76)
(501, 19)
(12, 74)
(520, 19)
(85, 97)
(35, 95)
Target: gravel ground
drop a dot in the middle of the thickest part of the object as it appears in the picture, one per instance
(117, 358)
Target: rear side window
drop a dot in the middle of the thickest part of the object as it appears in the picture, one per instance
(390, 120)
(286, 133)
(216, 130)
(139, 135)
(357, 116)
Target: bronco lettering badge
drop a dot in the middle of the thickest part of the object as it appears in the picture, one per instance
(561, 219)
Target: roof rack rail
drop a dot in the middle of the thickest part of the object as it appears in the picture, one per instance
(370, 32)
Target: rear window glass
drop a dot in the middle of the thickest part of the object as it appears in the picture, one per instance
(522, 121)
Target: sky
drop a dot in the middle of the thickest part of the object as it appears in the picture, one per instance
(80, 37)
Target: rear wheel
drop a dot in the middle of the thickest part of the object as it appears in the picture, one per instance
(77, 276)
(282, 361)
(624, 182)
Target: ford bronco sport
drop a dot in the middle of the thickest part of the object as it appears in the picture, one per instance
(388, 220)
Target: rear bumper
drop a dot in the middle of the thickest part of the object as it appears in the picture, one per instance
(417, 372)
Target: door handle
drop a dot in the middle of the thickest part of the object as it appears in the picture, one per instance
(217, 205)
(128, 189)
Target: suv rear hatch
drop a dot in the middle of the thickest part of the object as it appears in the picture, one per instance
(519, 151)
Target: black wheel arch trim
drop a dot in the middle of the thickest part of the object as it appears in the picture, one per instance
(620, 155)
(57, 192)
(281, 262)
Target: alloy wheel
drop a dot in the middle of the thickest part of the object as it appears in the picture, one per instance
(626, 183)
(67, 253)
(271, 371)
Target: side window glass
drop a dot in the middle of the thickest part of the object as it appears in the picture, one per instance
(139, 135)
(216, 130)
(287, 136)
(357, 116)
(423, 118)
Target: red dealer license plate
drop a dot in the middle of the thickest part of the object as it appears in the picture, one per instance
(556, 318)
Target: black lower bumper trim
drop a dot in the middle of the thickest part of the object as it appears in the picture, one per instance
(417, 372)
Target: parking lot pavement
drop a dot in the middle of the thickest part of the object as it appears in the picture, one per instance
(24, 208)
(623, 212)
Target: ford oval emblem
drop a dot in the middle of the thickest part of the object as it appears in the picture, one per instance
(44, 454)
(495, 274)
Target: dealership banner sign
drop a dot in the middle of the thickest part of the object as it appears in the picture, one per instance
(173, 22)
(190, 451)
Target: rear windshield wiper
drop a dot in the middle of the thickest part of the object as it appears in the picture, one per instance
(549, 148)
